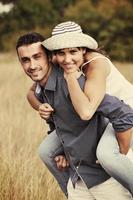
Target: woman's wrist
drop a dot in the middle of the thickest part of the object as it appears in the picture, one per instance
(72, 76)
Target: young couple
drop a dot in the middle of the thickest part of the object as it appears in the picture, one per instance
(78, 108)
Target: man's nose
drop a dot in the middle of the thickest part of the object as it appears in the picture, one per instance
(32, 64)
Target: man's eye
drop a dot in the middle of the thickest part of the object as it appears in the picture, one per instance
(25, 60)
(37, 57)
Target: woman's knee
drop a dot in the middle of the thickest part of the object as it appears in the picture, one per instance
(108, 148)
(106, 156)
(45, 153)
(101, 154)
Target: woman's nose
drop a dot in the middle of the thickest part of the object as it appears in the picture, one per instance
(67, 58)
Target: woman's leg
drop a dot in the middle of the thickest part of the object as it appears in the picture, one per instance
(116, 164)
(48, 149)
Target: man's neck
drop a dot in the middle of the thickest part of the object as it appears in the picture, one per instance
(44, 80)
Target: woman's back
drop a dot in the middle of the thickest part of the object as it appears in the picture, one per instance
(117, 85)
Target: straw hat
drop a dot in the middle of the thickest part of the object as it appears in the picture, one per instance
(68, 35)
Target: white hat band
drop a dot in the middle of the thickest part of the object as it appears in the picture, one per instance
(66, 27)
(68, 35)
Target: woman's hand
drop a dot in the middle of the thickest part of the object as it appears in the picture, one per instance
(73, 75)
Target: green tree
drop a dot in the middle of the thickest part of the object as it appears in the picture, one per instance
(109, 22)
(8, 1)
(26, 18)
(60, 6)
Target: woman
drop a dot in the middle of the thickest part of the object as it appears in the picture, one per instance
(101, 77)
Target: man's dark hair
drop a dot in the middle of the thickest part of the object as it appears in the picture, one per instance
(29, 38)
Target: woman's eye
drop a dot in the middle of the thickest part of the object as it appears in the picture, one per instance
(60, 53)
(73, 51)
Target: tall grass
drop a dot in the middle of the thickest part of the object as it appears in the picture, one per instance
(22, 174)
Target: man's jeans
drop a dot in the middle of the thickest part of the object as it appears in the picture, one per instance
(108, 190)
(48, 149)
(116, 164)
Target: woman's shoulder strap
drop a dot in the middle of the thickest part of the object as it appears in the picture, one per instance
(95, 58)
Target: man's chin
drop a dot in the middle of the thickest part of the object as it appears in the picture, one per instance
(35, 78)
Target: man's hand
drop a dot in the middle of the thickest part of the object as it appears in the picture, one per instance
(124, 140)
(61, 162)
(45, 110)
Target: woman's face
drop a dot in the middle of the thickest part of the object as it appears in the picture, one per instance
(70, 59)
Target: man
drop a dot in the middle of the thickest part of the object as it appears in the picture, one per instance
(72, 131)
(35, 55)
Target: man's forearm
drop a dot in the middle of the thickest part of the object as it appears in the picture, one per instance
(118, 113)
(32, 99)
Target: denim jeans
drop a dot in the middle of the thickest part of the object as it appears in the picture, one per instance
(48, 149)
(117, 165)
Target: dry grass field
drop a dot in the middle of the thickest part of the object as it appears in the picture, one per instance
(22, 174)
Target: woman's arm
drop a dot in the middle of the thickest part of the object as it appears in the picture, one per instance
(86, 102)
(32, 99)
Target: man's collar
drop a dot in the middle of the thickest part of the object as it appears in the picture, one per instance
(51, 82)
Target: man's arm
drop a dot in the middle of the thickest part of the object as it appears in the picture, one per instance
(124, 140)
(121, 117)
(44, 109)
(32, 99)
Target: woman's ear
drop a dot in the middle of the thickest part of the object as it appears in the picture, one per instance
(84, 51)
(54, 61)
(52, 58)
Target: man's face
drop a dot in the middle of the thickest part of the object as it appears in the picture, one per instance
(34, 61)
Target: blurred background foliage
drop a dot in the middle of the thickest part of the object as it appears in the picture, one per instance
(109, 22)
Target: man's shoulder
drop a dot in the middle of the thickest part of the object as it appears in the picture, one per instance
(57, 69)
